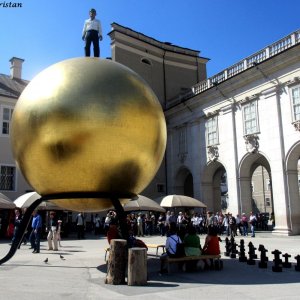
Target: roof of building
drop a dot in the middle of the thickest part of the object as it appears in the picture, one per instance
(11, 87)
(164, 45)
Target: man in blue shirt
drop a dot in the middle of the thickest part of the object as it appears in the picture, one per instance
(35, 235)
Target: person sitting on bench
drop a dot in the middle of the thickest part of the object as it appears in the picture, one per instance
(212, 244)
(171, 247)
(192, 247)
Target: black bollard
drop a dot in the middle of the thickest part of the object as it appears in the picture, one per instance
(233, 250)
(297, 267)
(250, 260)
(277, 261)
(286, 263)
(254, 254)
(227, 247)
(242, 255)
(263, 264)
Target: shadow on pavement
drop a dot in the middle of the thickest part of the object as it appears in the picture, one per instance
(234, 272)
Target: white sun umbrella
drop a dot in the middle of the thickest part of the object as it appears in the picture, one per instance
(27, 199)
(180, 201)
(143, 203)
(6, 203)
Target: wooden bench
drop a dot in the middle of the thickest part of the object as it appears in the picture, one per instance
(157, 246)
(215, 259)
(154, 246)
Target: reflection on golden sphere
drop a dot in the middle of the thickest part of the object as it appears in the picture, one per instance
(88, 125)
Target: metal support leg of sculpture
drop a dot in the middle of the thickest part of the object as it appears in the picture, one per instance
(23, 226)
(121, 217)
(20, 233)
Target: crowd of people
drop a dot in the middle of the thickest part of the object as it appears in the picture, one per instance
(33, 233)
(158, 224)
(140, 225)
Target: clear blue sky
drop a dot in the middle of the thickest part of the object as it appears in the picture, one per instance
(44, 32)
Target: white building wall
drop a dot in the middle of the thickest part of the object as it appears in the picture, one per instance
(267, 84)
(6, 156)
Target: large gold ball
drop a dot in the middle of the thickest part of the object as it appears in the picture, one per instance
(88, 125)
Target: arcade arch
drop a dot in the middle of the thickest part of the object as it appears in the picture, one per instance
(292, 173)
(214, 186)
(184, 184)
(255, 184)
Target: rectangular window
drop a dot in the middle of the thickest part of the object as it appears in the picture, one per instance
(212, 131)
(182, 140)
(250, 118)
(268, 202)
(295, 94)
(7, 178)
(6, 114)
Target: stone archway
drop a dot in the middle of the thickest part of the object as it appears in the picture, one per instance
(247, 166)
(212, 178)
(292, 161)
(184, 183)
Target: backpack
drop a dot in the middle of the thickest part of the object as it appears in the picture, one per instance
(179, 249)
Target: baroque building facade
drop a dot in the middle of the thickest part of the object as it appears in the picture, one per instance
(12, 183)
(222, 129)
(230, 136)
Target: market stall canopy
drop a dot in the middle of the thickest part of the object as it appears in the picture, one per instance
(143, 203)
(27, 199)
(180, 201)
(6, 203)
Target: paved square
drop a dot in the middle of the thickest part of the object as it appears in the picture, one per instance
(80, 274)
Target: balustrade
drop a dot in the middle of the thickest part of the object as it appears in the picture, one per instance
(249, 62)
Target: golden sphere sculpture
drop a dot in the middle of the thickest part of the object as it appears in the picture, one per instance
(88, 125)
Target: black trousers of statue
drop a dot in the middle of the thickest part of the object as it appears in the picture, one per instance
(92, 37)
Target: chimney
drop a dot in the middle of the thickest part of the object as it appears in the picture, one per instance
(16, 67)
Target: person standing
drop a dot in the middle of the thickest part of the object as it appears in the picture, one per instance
(180, 219)
(91, 34)
(35, 236)
(173, 218)
(52, 232)
(238, 224)
(18, 219)
(232, 225)
(196, 222)
(59, 223)
(252, 221)
(161, 224)
(139, 221)
(244, 222)
(147, 224)
(153, 223)
(210, 220)
(167, 222)
(97, 224)
(225, 224)
(80, 226)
